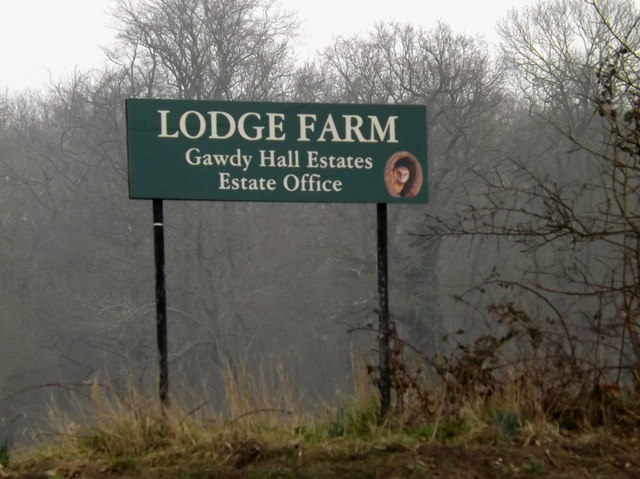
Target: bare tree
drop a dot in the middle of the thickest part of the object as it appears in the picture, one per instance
(618, 102)
(460, 84)
(203, 49)
(452, 74)
(566, 197)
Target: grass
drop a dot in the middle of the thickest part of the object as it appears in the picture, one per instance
(262, 433)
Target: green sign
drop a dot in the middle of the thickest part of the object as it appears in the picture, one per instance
(296, 152)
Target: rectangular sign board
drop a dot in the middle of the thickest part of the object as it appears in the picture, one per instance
(290, 152)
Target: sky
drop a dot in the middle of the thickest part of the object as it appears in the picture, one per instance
(45, 40)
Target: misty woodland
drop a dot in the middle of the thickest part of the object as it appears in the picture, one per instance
(522, 272)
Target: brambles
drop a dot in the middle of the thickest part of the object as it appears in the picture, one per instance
(521, 373)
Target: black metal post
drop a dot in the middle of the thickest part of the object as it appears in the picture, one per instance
(384, 329)
(161, 301)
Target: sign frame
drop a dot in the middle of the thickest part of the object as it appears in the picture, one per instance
(279, 152)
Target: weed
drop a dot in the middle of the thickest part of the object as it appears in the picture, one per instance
(506, 422)
(123, 464)
(532, 468)
(305, 433)
(450, 429)
(417, 471)
(196, 474)
(5, 452)
(427, 431)
(276, 473)
(336, 427)
(362, 421)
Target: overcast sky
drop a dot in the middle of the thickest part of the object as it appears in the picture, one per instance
(40, 37)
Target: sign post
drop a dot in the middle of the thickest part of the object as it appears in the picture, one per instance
(277, 152)
(383, 314)
(161, 301)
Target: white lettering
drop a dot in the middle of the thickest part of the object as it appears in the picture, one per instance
(276, 124)
(215, 134)
(257, 129)
(390, 126)
(227, 182)
(192, 160)
(304, 125)
(311, 182)
(329, 127)
(254, 126)
(352, 124)
(163, 125)
(202, 126)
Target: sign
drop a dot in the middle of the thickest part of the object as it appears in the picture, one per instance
(293, 152)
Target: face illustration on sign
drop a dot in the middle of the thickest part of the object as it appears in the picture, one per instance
(403, 175)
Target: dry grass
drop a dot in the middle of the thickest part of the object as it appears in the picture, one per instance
(259, 398)
(114, 432)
